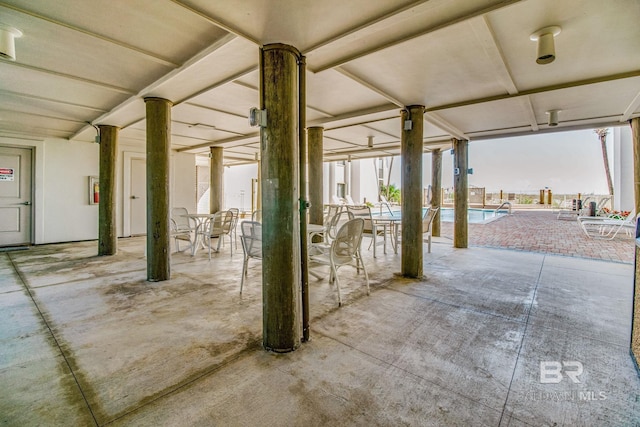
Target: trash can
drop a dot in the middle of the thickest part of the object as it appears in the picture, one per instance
(592, 208)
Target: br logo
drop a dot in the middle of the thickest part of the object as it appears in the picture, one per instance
(552, 372)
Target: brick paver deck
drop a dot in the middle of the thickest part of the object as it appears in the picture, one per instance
(541, 231)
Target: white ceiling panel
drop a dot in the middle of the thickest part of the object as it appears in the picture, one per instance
(597, 39)
(471, 63)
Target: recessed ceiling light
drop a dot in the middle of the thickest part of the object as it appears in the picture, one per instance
(546, 46)
(7, 41)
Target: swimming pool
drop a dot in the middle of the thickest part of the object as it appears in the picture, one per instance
(476, 216)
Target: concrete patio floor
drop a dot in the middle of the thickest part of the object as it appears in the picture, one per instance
(85, 340)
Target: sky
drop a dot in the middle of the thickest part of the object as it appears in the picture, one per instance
(565, 162)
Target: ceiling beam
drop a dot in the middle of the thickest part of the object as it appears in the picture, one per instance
(441, 123)
(222, 142)
(484, 34)
(83, 80)
(354, 114)
(633, 106)
(527, 107)
(463, 17)
(204, 107)
(200, 56)
(364, 25)
(42, 116)
(218, 23)
(368, 85)
(152, 56)
(556, 129)
(218, 84)
(568, 85)
(51, 100)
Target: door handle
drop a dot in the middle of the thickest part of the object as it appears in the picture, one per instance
(134, 197)
(27, 203)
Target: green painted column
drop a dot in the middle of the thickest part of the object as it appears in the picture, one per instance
(158, 149)
(316, 212)
(107, 232)
(436, 189)
(216, 181)
(281, 276)
(411, 143)
(460, 191)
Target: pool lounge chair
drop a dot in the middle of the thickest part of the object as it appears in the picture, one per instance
(608, 228)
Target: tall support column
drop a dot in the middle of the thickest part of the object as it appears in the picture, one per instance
(107, 234)
(316, 175)
(158, 146)
(216, 179)
(332, 181)
(635, 327)
(281, 277)
(436, 189)
(411, 143)
(460, 192)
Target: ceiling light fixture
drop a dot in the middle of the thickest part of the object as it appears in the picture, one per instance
(370, 141)
(7, 42)
(553, 117)
(546, 48)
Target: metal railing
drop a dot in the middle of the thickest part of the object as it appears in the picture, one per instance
(504, 204)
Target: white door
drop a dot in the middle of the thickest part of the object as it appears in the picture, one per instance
(15, 196)
(138, 196)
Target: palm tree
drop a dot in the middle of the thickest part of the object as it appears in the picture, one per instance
(602, 134)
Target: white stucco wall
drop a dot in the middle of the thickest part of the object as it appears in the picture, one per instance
(183, 181)
(68, 216)
(237, 186)
(61, 170)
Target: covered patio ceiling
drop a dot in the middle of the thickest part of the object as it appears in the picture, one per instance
(471, 63)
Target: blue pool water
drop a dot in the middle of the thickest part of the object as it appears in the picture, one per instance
(476, 216)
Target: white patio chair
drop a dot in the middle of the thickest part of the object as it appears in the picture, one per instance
(332, 225)
(234, 225)
(371, 229)
(427, 221)
(216, 228)
(182, 228)
(251, 240)
(345, 250)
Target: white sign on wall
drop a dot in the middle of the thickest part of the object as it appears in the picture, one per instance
(7, 174)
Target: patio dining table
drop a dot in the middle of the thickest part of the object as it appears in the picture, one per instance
(393, 223)
(201, 219)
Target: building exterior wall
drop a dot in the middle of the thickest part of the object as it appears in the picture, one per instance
(61, 171)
